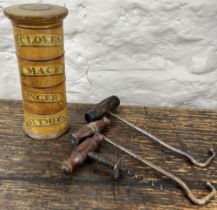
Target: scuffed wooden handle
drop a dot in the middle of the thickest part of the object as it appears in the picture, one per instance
(80, 152)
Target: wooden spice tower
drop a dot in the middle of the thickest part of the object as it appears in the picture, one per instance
(38, 35)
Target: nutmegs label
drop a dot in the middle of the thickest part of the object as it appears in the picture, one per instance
(39, 40)
(46, 121)
(43, 98)
(51, 70)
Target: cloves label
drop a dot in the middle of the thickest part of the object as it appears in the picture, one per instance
(51, 70)
(42, 98)
(49, 121)
(38, 40)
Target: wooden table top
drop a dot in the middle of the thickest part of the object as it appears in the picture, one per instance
(30, 176)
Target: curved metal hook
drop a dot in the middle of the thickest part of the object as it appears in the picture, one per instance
(205, 163)
(204, 200)
(199, 201)
(182, 184)
(174, 149)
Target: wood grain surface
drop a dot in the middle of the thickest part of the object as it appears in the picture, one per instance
(39, 41)
(30, 177)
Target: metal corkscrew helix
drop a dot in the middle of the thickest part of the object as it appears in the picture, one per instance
(119, 169)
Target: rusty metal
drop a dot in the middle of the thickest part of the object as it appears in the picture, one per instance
(80, 152)
(119, 169)
(174, 149)
(182, 184)
(110, 104)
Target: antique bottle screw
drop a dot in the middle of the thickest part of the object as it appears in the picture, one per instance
(116, 166)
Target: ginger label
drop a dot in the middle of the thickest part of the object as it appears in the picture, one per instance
(43, 98)
(39, 40)
(49, 121)
(51, 70)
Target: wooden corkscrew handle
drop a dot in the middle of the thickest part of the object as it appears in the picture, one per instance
(88, 130)
(80, 152)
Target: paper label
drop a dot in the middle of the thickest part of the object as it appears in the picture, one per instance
(51, 70)
(38, 40)
(49, 121)
(42, 98)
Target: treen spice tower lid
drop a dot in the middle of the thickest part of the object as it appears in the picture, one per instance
(35, 14)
